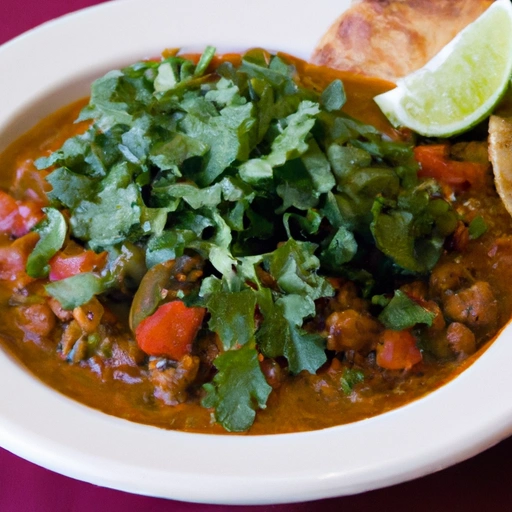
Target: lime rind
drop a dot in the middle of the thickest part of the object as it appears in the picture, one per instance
(462, 84)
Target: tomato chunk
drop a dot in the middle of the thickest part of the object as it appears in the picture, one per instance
(64, 265)
(397, 350)
(170, 330)
(18, 217)
(435, 163)
(13, 259)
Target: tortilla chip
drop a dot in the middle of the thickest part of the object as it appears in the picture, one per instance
(391, 38)
(500, 155)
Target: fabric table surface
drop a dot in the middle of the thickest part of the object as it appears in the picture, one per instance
(481, 483)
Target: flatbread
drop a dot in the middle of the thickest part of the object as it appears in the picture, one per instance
(389, 39)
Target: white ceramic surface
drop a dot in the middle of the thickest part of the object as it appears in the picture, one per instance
(52, 65)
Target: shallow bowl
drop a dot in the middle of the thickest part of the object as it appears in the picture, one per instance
(53, 65)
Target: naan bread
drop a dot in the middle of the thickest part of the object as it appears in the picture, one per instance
(391, 38)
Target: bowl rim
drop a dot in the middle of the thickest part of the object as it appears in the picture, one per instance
(455, 422)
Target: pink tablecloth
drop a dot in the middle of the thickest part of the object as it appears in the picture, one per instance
(480, 484)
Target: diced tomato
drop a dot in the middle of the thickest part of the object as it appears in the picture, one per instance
(29, 182)
(30, 214)
(8, 212)
(435, 163)
(13, 259)
(170, 330)
(18, 217)
(397, 350)
(64, 265)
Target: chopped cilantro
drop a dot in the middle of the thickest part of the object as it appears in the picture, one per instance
(281, 334)
(77, 290)
(349, 379)
(238, 389)
(333, 97)
(260, 177)
(402, 313)
(232, 316)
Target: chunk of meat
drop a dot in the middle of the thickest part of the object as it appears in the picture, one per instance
(475, 306)
(417, 290)
(392, 38)
(206, 347)
(347, 297)
(62, 314)
(351, 330)
(109, 353)
(448, 277)
(36, 320)
(461, 339)
(438, 322)
(460, 238)
(171, 382)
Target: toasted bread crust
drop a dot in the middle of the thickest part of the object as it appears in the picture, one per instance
(392, 38)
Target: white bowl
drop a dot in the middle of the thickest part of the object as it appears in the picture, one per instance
(53, 65)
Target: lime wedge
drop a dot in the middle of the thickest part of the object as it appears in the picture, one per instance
(460, 86)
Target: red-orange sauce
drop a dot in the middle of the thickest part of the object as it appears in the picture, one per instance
(301, 403)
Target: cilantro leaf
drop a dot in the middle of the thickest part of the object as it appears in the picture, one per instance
(349, 379)
(291, 143)
(166, 77)
(318, 167)
(281, 334)
(78, 289)
(72, 154)
(402, 313)
(223, 134)
(108, 220)
(392, 232)
(69, 188)
(168, 246)
(308, 225)
(341, 249)
(294, 266)
(170, 153)
(238, 389)
(232, 316)
(333, 97)
(103, 107)
(408, 229)
(196, 197)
